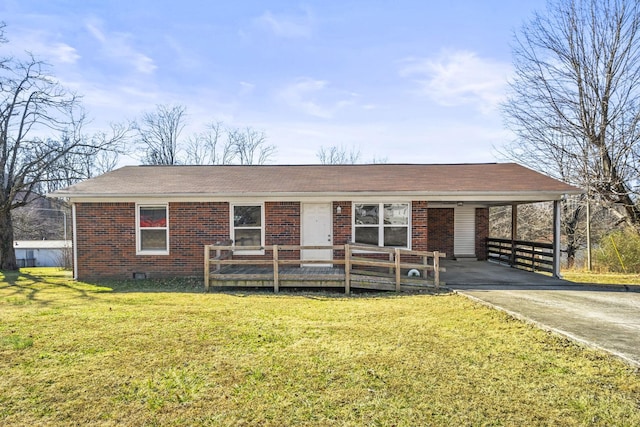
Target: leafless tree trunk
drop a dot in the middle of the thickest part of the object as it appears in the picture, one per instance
(574, 102)
(33, 104)
(158, 134)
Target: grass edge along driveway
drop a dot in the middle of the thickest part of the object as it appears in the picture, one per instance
(164, 353)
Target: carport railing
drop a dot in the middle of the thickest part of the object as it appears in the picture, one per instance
(530, 256)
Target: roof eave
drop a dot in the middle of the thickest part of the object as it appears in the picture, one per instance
(439, 196)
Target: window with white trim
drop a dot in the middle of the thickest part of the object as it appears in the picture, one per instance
(152, 234)
(382, 224)
(248, 225)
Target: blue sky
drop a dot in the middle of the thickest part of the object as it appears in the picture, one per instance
(409, 81)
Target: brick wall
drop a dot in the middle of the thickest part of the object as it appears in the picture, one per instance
(482, 232)
(440, 222)
(282, 227)
(341, 223)
(105, 236)
(341, 226)
(106, 240)
(419, 226)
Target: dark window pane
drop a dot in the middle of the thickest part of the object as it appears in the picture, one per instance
(395, 236)
(153, 217)
(153, 240)
(367, 214)
(367, 235)
(247, 237)
(247, 216)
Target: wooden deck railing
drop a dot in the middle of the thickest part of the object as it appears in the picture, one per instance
(531, 256)
(359, 260)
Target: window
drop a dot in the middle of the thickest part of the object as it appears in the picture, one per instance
(247, 225)
(382, 224)
(153, 230)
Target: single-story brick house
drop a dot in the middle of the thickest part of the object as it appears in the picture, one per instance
(157, 219)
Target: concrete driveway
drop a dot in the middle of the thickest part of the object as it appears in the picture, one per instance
(604, 317)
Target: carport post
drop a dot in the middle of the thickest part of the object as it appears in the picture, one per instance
(514, 233)
(556, 239)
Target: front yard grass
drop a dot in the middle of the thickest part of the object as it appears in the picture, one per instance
(144, 353)
(580, 276)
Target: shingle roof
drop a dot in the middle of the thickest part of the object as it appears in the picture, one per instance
(315, 179)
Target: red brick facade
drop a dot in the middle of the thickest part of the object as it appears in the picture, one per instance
(282, 227)
(440, 222)
(106, 235)
(441, 231)
(341, 223)
(106, 239)
(282, 223)
(419, 226)
(482, 232)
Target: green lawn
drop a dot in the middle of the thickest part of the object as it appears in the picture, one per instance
(142, 353)
(601, 278)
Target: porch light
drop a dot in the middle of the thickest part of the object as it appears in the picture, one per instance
(338, 209)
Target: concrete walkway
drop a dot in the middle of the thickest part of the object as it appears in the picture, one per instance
(603, 317)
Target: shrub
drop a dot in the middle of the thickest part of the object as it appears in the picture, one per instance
(619, 252)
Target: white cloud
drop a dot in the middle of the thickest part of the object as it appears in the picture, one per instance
(314, 97)
(246, 88)
(118, 47)
(97, 33)
(42, 45)
(64, 53)
(459, 78)
(287, 26)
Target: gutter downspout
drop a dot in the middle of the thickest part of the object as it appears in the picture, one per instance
(75, 241)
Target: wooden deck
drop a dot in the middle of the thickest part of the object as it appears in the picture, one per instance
(352, 272)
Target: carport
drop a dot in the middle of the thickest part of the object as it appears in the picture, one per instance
(464, 274)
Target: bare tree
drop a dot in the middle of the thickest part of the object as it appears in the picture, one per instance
(85, 162)
(248, 146)
(33, 105)
(219, 145)
(574, 102)
(338, 155)
(379, 160)
(209, 147)
(534, 222)
(159, 133)
(42, 219)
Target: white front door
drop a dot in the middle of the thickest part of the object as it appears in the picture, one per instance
(317, 230)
